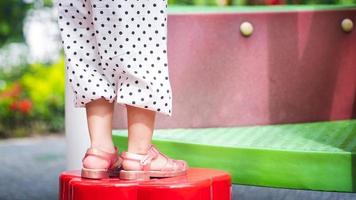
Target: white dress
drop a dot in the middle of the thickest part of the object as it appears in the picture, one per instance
(117, 50)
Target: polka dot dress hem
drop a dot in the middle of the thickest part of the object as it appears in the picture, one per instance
(117, 50)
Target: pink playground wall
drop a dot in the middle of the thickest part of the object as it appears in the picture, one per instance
(298, 66)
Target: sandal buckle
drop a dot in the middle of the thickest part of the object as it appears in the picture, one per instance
(147, 159)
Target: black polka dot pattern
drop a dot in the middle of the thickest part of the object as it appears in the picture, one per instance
(117, 50)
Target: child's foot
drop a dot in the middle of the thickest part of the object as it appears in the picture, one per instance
(98, 163)
(152, 164)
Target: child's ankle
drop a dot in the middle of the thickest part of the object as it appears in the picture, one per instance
(138, 150)
(106, 148)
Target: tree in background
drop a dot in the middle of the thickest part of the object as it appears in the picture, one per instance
(12, 14)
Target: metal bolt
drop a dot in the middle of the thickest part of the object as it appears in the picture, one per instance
(347, 25)
(246, 29)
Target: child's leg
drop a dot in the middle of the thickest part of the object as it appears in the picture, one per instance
(99, 117)
(140, 130)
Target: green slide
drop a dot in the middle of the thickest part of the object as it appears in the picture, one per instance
(315, 156)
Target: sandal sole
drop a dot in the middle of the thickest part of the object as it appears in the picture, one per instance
(146, 175)
(99, 173)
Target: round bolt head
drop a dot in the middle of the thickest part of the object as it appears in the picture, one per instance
(347, 25)
(246, 29)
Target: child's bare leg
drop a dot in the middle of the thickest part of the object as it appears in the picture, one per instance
(140, 130)
(99, 117)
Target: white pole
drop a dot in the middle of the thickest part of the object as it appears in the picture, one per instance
(76, 131)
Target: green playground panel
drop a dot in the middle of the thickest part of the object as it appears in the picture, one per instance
(183, 9)
(314, 156)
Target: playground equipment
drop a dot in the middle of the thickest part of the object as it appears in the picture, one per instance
(279, 104)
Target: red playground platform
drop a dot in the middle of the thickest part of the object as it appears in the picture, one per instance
(198, 184)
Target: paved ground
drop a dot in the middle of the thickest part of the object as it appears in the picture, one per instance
(29, 170)
(30, 167)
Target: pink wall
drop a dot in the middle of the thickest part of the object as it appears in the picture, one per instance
(298, 66)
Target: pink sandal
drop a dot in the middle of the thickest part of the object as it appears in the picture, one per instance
(170, 169)
(113, 159)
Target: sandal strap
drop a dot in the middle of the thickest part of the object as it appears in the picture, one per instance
(151, 154)
(110, 157)
(170, 164)
(144, 159)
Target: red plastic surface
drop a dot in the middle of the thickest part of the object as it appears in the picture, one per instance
(198, 184)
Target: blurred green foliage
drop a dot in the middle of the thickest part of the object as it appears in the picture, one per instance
(44, 85)
(32, 103)
(12, 14)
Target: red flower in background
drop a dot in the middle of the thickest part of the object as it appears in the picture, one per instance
(23, 106)
(13, 106)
